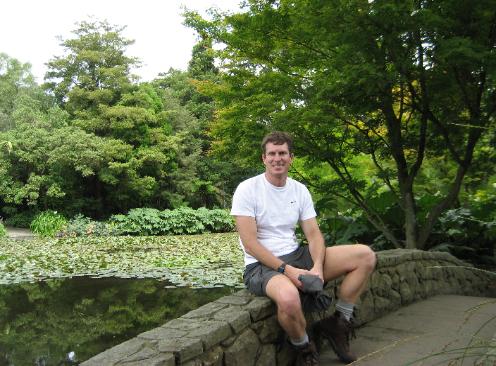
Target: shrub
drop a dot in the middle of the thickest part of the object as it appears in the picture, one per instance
(139, 221)
(48, 223)
(184, 220)
(216, 220)
(3, 231)
(84, 226)
(152, 222)
(22, 219)
(464, 235)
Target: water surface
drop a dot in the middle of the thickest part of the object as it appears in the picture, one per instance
(42, 323)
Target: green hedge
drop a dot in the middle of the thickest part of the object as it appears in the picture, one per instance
(150, 222)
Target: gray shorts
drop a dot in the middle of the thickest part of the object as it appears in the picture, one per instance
(257, 275)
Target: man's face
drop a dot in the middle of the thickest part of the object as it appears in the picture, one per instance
(277, 159)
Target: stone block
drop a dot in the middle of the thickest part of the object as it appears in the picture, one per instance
(229, 341)
(260, 308)
(183, 324)
(428, 287)
(234, 300)
(213, 358)
(395, 278)
(267, 356)
(394, 300)
(205, 311)
(269, 330)
(114, 355)
(140, 356)
(161, 359)
(211, 332)
(365, 310)
(184, 349)
(381, 305)
(244, 292)
(381, 284)
(417, 255)
(195, 362)
(406, 294)
(162, 333)
(243, 351)
(238, 319)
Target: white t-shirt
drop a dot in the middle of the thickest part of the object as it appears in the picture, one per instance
(276, 210)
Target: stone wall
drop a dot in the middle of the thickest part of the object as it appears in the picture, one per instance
(241, 329)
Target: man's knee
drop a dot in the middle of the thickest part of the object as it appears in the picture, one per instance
(288, 301)
(368, 258)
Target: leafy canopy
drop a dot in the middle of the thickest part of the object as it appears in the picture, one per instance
(396, 82)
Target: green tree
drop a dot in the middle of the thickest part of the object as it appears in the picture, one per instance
(215, 177)
(93, 72)
(93, 83)
(16, 81)
(51, 165)
(399, 82)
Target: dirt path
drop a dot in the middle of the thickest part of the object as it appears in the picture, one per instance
(18, 233)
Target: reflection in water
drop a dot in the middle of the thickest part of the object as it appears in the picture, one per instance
(64, 322)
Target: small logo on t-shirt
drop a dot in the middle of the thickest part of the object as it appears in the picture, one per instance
(292, 202)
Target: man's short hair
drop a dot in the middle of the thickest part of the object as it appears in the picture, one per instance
(278, 138)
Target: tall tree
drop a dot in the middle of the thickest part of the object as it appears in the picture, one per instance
(94, 84)
(216, 178)
(94, 71)
(16, 81)
(396, 81)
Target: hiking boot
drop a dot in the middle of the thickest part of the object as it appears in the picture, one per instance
(307, 355)
(338, 332)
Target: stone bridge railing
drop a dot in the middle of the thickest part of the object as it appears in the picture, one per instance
(241, 329)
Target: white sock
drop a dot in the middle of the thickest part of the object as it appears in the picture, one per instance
(300, 342)
(345, 308)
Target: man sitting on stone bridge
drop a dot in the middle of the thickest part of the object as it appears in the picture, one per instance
(267, 208)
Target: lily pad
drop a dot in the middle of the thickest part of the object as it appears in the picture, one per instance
(208, 260)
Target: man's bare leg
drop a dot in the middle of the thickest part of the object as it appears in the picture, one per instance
(356, 262)
(289, 312)
(291, 318)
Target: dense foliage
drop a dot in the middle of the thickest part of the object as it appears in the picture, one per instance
(150, 221)
(48, 223)
(184, 220)
(96, 141)
(390, 102)
(391, 105)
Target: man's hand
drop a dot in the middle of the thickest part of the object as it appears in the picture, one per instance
(318, 270)
(293, 273)
(315, 245)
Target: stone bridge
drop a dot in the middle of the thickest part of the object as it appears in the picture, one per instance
(241, 329)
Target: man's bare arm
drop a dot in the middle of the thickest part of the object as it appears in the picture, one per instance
(315, 244)
(247, 230)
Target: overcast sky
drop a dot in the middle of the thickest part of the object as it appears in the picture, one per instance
(28, 29)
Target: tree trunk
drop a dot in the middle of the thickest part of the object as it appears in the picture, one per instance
(411, 228)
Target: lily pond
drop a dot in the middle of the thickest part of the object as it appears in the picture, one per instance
(64, 300)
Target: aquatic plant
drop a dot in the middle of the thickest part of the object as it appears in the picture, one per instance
(208, 260)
